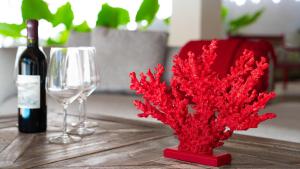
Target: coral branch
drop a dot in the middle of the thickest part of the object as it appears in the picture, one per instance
(202, 108)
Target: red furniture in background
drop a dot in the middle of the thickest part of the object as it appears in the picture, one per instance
(278, 41)
(287, 65)
(230, 50)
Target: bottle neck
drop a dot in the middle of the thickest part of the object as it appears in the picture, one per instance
(32, 33)
(33, 43)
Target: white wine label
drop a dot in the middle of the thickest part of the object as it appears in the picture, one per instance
(29, 91)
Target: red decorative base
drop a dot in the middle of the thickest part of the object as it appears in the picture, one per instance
(215, 160)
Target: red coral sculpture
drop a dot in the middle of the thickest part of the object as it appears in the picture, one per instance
(202, 108)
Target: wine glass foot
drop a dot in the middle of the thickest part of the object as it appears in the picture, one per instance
(90, 124)
(74, 124)
(87, 124)
(64, 139)
(82, 131)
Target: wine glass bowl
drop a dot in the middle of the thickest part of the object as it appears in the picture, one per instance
(64, 84)
(64, 95)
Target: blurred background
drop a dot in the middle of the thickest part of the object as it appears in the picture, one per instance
(273, 17)
(78, 12)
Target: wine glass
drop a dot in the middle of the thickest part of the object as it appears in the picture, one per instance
(64, 83)
(90, 80)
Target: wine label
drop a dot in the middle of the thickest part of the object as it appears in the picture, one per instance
(29, 91)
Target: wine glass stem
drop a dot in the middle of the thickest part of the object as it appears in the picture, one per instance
(65, 120)
(80, 109)
(82, 116)
(84, 110)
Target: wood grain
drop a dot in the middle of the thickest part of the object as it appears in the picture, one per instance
(16, 148)
(129, 144)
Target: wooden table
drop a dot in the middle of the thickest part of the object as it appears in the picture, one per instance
(129, 144)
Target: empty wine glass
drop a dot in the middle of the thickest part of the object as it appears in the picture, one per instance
(64, 83)
(90, 80)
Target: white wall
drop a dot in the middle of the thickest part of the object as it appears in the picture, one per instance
(211, 23)
(277, 19)
(195, 19)
(185, 21)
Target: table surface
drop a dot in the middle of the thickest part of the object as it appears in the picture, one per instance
(120, 143)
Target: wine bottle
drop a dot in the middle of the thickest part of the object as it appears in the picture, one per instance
(32, 108)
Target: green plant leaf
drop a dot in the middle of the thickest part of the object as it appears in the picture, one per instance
(147, 11)
(245, 20)
(167, 20)
(224, 13)
(36, 9)
(83, 27)
(12, 30)
(60, 40)
(64, 14)
(112, 17)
